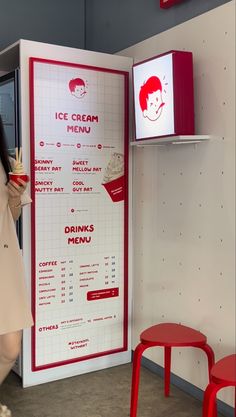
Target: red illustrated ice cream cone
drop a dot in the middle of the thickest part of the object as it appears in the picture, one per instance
(115, 189)
(113, 180)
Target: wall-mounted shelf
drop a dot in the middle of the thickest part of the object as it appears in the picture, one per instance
(171, 140)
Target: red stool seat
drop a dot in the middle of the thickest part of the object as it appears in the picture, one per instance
(167, 335)
(223, 374)
(225, 370)
(172, 334)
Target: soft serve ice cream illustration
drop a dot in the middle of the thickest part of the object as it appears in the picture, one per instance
(18, 169)
(113, 179)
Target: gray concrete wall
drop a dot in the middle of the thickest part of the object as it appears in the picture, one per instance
(113, 25)
(51, 21)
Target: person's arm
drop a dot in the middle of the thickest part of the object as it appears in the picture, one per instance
(15, 207)
(15, 192)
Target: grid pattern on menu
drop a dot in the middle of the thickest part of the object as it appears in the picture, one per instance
(79, 229)
(104, 97)
(81, 339)
(53, 224)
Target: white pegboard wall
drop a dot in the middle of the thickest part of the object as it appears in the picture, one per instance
(184, 204)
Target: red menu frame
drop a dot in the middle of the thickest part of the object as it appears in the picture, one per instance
(125, 75)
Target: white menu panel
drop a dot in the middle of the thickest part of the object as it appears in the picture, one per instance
(79, 215)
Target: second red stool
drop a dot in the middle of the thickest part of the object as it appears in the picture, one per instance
(223, 374)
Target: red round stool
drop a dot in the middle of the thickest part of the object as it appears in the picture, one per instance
(223, 374)
(167, 335)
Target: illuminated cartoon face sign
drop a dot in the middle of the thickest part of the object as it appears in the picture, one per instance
(77, 87)
(150, 98)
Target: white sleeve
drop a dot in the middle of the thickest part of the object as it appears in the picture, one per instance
(25, 199)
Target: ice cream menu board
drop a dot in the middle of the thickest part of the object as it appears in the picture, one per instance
(79, 142)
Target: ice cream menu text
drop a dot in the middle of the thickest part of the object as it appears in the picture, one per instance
(79, 212)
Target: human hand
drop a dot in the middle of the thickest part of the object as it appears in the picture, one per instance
(15, 191)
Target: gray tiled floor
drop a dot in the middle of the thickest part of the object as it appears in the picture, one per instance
(97, 394)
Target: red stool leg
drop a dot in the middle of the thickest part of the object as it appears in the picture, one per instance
(210, 356)
(209, 401)
(235, 403)
(135, 378)
(167, 366)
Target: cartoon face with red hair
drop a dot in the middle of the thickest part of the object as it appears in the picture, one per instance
(77, 87)
(150, 98)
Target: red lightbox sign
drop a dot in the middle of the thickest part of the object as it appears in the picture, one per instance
(163, 96)
(165, 4)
